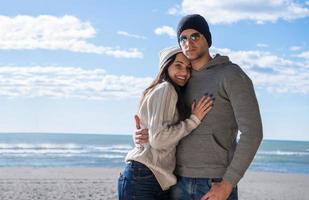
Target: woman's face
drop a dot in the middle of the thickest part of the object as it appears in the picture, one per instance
(179, 70)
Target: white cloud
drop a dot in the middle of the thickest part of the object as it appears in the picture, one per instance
(123, 33)
(54, 33)
(271, 72)
(304, 54)
(262, 45)
(68, 82)
(260, 11)
(174, 10)
(166, 30)
(295, 48)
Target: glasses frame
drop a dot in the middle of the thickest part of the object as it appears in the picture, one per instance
(194, 37)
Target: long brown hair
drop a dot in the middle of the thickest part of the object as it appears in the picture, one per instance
(163, 76)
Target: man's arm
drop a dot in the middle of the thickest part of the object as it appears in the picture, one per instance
(240, 91)
(241, 94)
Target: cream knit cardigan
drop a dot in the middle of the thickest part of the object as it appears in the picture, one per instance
(159, 114)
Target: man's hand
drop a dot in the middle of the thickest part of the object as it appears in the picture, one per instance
(218, 191)
(141, 135)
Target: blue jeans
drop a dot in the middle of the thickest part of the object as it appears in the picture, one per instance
(194, 188)
(138, 182)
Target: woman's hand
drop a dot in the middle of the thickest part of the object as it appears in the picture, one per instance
(202, 107)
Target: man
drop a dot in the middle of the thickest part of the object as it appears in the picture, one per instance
(210, 161)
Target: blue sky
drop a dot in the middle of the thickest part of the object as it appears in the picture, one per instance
(80, 66)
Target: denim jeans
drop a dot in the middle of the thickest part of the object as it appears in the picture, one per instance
(194, 188)
(138, 182)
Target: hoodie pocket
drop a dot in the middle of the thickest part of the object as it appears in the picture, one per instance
(200, 150)
(222, 154)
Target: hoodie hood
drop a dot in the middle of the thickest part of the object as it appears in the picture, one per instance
(217, 60)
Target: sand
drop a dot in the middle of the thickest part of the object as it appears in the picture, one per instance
(100, 184)
(58, 183)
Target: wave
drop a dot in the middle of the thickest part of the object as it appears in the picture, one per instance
(69, 148)
(39, 146)
(67, 155)
(110, 156)
(283, 153)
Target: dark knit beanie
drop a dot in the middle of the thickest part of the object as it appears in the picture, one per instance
(196, 22)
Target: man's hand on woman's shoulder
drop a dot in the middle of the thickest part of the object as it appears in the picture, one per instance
(141, 135)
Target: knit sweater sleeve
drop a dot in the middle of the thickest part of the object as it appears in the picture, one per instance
(241, 93)
(161, 107)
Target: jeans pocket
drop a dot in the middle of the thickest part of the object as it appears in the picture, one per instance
(139, 171)
(144, 174)
(234, 194)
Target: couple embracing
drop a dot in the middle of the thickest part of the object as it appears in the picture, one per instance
(188, 120)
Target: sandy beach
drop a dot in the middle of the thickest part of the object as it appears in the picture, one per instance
(100, 184)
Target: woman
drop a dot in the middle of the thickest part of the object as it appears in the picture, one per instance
(149, 170)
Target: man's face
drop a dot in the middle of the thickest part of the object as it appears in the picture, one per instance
(193, 44)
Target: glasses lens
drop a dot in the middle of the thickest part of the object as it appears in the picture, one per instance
(183, 39)
(195, 36)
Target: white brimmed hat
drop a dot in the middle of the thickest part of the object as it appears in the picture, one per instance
(166, 53)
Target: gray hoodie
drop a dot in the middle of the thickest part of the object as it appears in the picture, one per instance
(212, 150)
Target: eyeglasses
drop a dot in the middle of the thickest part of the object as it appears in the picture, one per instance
(194, 37)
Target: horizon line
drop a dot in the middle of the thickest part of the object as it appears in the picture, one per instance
(126, 134)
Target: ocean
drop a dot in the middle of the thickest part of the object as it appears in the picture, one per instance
(94, 150)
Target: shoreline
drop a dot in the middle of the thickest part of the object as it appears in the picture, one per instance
(79, 183)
